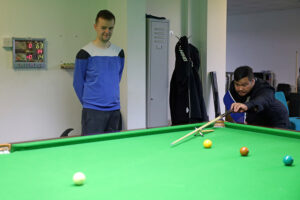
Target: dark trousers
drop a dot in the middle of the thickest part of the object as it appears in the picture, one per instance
(96, 121)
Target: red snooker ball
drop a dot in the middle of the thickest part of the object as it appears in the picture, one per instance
(244, 151)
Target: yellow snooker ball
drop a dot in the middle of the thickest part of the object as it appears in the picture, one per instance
(207, 143)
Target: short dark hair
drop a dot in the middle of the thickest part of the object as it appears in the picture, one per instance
(105, 14)
(242, 72)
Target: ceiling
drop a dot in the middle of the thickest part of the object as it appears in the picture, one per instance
(238, 7)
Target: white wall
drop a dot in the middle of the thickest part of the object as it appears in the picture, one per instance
(205, 22)
(136, 62)
(216, 49)
(265, 41)
(207, 27)
(131, 35)
(36, 104)
(39, 104)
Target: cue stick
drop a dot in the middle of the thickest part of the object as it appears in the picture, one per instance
(207, 131)
(204, 131)
(200, 128)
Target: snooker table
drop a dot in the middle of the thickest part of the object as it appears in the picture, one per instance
(142, 165)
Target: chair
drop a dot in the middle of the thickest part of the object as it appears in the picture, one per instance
(66, 132)
(294, 104)
(295, 121)
(286, 89)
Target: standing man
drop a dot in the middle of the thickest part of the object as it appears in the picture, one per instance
(255, 98)
(98, 71)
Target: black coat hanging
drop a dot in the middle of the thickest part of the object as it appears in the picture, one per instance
(186, 94)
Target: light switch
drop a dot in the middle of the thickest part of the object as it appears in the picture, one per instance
(7, 42)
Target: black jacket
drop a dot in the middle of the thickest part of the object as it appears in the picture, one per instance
(263, 108)
(186, 95)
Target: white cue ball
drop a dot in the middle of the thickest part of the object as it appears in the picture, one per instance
(78, 178)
